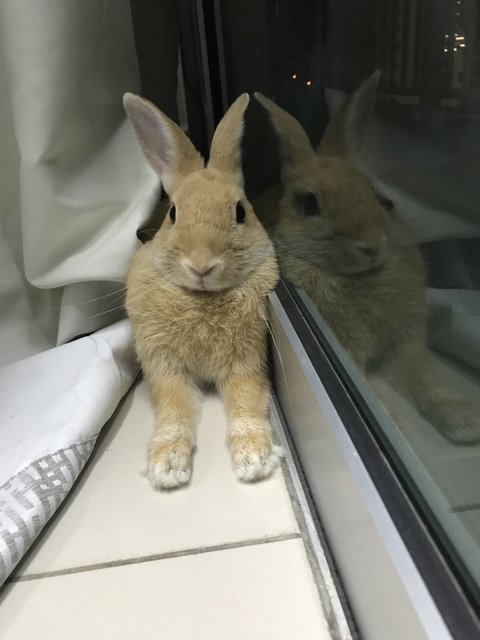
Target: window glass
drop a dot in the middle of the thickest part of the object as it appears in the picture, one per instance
(361, 158)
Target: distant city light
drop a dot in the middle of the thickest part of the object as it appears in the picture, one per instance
(309, 82)
(294, 76)
(446, 50)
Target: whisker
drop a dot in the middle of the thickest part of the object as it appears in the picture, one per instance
(270, 330)
(107, 311)
(81, 302)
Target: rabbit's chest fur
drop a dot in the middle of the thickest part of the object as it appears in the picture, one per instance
(207, 335)
(370, 312)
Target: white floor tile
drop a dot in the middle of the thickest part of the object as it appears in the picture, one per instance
(114, 514)
(263, 592)
(454, 469)
(471, 521)
(467, 536)
(460, 480)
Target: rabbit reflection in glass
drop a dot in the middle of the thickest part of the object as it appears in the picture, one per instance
(338, 241)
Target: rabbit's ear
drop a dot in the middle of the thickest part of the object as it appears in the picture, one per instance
(295, 146)
(346, 130)
(166, 147)
(225, 151)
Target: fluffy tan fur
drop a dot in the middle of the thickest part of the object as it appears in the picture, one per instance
(357, 262)
(196, 298)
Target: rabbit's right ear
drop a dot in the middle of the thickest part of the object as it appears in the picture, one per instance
(167, 149)
(225, 150)
(346, 130)
(295, 147)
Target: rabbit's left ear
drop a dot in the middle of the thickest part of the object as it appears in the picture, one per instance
(295, 147)
(225, 151)
(346, 130)
(166, 147)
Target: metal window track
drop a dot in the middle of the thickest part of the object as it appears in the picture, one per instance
(398, 583)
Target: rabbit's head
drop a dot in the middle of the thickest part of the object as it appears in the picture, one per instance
(329, 214)
(210, 239)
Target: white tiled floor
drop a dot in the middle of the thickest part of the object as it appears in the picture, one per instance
(471, 521)
(262, 592)
(218, 559)
(455, 469)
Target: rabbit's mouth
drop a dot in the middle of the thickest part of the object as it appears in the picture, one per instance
(366, 270)
(358, 268)
(204, 287)
(360, 257)
(351, 265)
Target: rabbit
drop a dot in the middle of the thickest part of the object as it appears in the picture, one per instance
(197, 298)
(340, 242)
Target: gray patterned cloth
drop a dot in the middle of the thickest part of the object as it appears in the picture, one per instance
(53, 405)
(30, 498)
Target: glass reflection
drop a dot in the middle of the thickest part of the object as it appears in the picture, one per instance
(343, 244)
(374, 209)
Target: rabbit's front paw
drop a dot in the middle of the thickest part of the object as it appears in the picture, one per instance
(169, 463)
(254, 455)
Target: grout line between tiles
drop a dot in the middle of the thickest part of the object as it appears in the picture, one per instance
(333, 599)
(466, 507)
(154, 557)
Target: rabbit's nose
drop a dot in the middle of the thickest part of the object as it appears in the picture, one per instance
(366, 250)
(201, 272)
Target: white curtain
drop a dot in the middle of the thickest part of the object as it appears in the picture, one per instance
(74, 188)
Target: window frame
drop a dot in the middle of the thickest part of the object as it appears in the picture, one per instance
(449, 592)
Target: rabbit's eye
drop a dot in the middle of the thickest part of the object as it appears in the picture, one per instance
(310, 205)
(386, 203)
(240, 213)
(172, 213)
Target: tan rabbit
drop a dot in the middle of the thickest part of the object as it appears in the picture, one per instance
(359, 265)
(197, 296)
